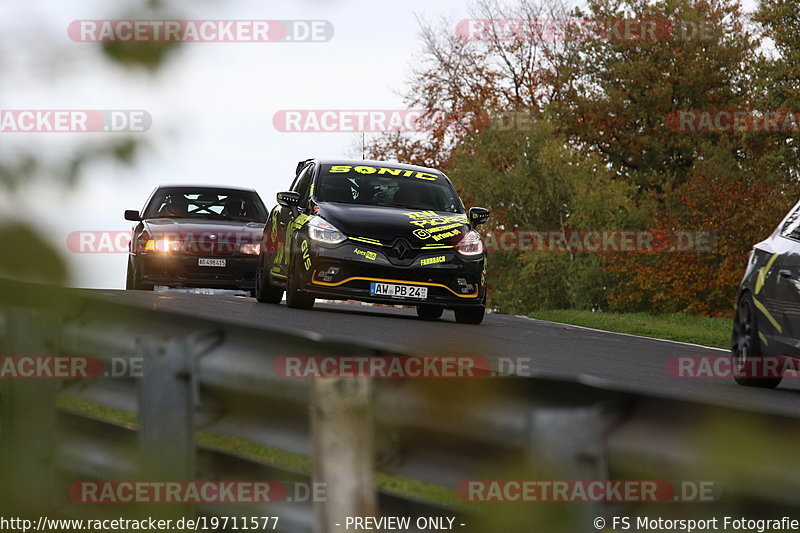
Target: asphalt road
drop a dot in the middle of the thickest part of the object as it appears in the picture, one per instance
(511, 343)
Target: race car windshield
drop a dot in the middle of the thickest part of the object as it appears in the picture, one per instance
(387, 187)
(206, 205)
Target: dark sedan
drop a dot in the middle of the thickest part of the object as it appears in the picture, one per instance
(196, 236)
(376, 232)
(766, 326)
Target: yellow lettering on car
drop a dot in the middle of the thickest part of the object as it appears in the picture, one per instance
(369, 255)
(367, 169)
(432, 260)
(306, 256)
(425, 176)
(392, 171)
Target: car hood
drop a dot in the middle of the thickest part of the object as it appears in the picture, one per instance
(386, 223)
(194, 229)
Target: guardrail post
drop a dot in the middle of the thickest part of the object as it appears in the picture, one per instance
(568, 442)
(341, 424)
(166, 413)
(28, 419)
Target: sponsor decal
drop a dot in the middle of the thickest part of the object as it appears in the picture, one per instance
(432, 260)
(306, 256)
(366, 169)
(367, 254)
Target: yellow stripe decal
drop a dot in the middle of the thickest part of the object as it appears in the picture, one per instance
(763, 338)
(404, 282)
(762, 273)
(763, 309)
(368, 241)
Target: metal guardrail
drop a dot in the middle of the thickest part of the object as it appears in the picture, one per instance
(218, 377)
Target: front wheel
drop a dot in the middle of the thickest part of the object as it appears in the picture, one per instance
(294, 298)
(470, 315)
(265, 292)
(133, 281)
(748, 362)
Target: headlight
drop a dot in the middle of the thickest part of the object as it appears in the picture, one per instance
(322, 231)
(471, 244)
(162, 245)
(250, 248)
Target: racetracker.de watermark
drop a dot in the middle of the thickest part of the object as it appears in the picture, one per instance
(69, 367)
(599, 241)
(200, 242)
(580, 29)
(582, 490)
(177, 492)
(725, 366)
(367, 120)
(201, 31)
(74, 120)
(382, 367)
(734, 121)
(397, 120)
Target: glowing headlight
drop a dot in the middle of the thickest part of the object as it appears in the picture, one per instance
(162, 245)
(322, 231)
(471, 244)
(250, 248)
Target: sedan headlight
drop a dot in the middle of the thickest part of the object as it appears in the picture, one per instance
(250, 248)
(322, 231)
(471, 244)
(162, 245)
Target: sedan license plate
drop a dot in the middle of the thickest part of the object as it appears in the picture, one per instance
(399, 291)
(203, 262)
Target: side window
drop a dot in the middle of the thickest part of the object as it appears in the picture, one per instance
(791, 228)
(304, 184)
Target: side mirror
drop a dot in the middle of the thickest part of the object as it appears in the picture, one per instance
(289, 199)
(132, 215)
(478, 215)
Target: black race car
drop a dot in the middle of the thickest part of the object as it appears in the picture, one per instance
(375, 232)
(766, 325)
(196, 236)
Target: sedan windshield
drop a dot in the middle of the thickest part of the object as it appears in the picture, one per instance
(206, 204)
(388, 187)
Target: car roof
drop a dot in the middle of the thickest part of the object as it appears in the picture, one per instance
(373, 162)
(204, 186)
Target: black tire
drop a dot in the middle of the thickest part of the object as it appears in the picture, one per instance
(746, 353)
(470, 315)
(133, 281)
(429, 312)
(264, 291)
(294, 298)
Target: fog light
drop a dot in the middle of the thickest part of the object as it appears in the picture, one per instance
(461, 281)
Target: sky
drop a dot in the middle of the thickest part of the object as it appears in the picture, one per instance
(212, 104)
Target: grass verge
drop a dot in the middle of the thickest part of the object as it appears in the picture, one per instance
(675, 327)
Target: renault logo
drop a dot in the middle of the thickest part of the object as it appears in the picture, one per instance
(400, 248)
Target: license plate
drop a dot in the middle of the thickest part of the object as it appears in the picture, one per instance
(203, 262)
(398, 291)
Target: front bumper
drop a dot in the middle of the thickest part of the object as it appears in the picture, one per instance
(348, 271)
(183, 270)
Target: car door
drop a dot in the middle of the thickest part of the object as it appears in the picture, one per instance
(283, 221)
